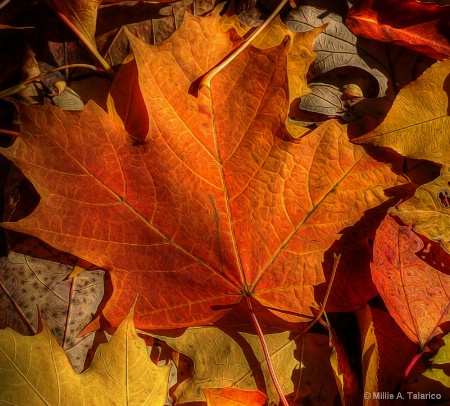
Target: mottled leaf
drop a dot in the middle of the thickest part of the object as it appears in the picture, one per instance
(66, 305)
(416, 294)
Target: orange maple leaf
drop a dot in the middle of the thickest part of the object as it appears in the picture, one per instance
(218, 203)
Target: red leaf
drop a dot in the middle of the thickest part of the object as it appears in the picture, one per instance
(416, 294)
(422, 27)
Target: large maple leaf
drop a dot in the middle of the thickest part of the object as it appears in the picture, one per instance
(219, 203)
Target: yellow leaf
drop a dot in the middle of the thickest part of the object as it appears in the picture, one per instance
(301, 364)
(440, 361)
(418, 125)
(35, 371)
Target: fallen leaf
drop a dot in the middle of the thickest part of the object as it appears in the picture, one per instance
(344, 59)
(418, 122)
(233, 206)
(337, 46)
(422, 27)
(35, 370)
(150, 22)
(417, 127)
(301, 364)
(234, 397)
(386, 353)
(415, 293)
(83, 15)
(66, 305)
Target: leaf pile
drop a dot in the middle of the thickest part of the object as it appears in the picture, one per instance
(194, 178)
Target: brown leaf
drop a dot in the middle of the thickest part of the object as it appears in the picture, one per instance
(66, 305)
(343, 59)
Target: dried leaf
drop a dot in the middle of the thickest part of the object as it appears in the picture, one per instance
(418, 122)
(415, 293)
(66, 305)
(336, 46)
(83, 15)
(345, 60)
(232, 206)
(421, 27)
(301, 364)
(35, 370)
(150, 22)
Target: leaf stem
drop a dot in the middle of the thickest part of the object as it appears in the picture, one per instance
(83, 39)
(337, 257)
(206, 81)
(272, 373)
(412, 363)
(17, 88)
(8, 132)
